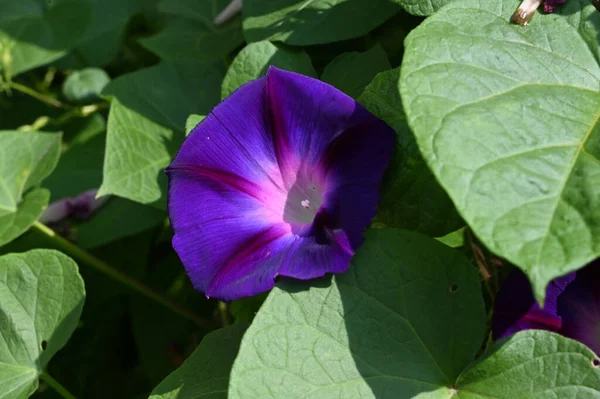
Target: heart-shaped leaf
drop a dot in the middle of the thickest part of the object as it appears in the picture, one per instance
(352, 72)
(315, 21)
(189, 34)
(85, 85)
(530, 365)
(407, 318)
(508, 119)
(146, 125)
(404, 322)
(26, 158)
(36, 32)
(423, 7)
(41, 298)
(101, 41)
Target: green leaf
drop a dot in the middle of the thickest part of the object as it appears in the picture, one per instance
(146, 125)
(352, 72)
(41, 298)
(189, 34)
(531, 365)
(313, 22)
(206, 372)
(86, 85)
(508, 120)
(102, 40)
(404, 322)
(80, 170)
(192, 121)
(425, 7)
(26, 158)
(117, 219)
(398, 323)
(412, 198)
(254, 60)
(36, 32)
(454, 239)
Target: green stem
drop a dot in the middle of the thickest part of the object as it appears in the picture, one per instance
(222, 307)
(39, 96)
(99, 265)
(57, 386)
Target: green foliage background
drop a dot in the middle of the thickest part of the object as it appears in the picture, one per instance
(496, 166)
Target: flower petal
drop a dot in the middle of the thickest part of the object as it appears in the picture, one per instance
(307, 115)
(351, 208)
(235, 138)
(515, 308)
(354, 165)
(211, 221)
(361, 154)
(579, 307)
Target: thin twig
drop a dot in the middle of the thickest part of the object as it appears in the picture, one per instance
(39, 96)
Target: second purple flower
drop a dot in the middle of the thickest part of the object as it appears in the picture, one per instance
(281, 179)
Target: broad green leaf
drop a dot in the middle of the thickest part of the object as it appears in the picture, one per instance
(532, 365)
(425, 7)
(314, 21)
(352, 72)
(36, 32)
(412, 198)
(254, 60)
(189, 34)
(205, 373)
(404, 322)
(586, 20)
(406, 318)
(85, 85)
(41, 298)
(26, 158)
(508, 119)
(100, 44)
(146, 125)
(192, 121)
(80, 170)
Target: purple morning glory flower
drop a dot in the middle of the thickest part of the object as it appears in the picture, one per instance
(280, 179)
(572, 307)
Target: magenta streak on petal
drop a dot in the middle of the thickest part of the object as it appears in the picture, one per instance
(283, 153)
(341, 240)
(543, 321)
(268, 197)
(251, 247)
